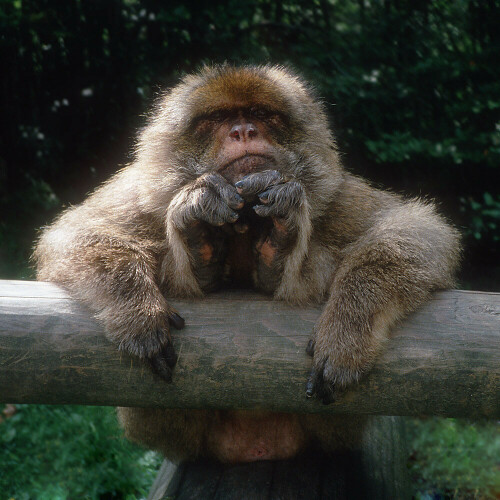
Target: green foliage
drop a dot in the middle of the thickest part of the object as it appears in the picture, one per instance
(416, 89)
(457, 458)
(484, 216)
(63, 452)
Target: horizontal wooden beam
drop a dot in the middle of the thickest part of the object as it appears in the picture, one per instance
(241, 350)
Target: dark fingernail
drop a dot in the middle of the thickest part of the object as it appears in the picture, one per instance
(311, 384)
(234, 217)
(310, 347)
(310, 389)
(239, 185)
(238, 198)
(175, 320)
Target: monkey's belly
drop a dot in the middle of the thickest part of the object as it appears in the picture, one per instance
(249, 436)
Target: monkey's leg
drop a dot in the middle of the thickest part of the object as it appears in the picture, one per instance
(282, 251)
(384, 275)
(197, 245)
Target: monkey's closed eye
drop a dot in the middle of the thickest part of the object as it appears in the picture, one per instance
(217, 116)
(206, 123)
(260, 113)
(274, 120)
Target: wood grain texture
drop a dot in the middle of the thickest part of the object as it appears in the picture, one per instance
(241, 350)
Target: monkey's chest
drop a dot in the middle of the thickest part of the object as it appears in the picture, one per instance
(239, 265)
(234, 255)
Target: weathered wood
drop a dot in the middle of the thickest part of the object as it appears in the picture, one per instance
(165, 478)
(240, 350)
(377, 470)
(384, 458)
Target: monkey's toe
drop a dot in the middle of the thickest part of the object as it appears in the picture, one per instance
(163, 363)
(160, 366)
(316, 384)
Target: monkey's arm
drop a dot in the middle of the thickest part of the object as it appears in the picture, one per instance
(196, 243)
(115, 275)
(389, 271)
(281, 251)
(106, 252)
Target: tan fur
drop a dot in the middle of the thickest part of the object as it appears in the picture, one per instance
(371, 255)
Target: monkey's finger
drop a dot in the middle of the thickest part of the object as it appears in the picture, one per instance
(311, 384)
(210, 208)
(234, 200)
(328, 389)
(227, 192)
(169, 355)
(176, 321)
(280, 200)
(316, 384)
(161, 367)
(310, 347)
(230, 196)
(219, 217)
(258, 182)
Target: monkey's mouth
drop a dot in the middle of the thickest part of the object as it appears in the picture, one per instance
(236, 169)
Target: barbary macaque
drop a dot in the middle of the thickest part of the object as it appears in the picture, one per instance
(237, 182)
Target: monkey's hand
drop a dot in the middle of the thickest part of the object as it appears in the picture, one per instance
(280, 198)
(367, 297)
(341, 354)
(210, 199)
(283, 243)
(135, 314)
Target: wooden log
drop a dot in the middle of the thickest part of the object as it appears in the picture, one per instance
(241, 350)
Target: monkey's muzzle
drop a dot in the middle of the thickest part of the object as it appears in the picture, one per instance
(244, 165)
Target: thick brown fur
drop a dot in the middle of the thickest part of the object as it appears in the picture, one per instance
(237, 181)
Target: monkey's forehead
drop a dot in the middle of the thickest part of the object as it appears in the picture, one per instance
(225, 86)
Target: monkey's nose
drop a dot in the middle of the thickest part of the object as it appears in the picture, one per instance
(243, 132)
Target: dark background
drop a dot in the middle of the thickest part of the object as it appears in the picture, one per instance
(413, 90)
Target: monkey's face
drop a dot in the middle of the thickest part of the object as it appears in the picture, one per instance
(241, 140)
(239, 122)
